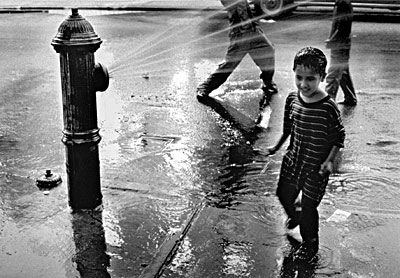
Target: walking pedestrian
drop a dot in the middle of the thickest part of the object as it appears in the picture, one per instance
(246, 37)
(313, 123)
(339, 43)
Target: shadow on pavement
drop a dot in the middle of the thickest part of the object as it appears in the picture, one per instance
(238, 120)
(90, 247)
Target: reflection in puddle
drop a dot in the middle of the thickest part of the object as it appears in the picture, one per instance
(239, 181)
(236, 258)
(184, 259)
(90, 246)
(326, 263)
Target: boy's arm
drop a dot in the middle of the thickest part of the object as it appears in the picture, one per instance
(274, 149)
(327, 166)
(287, 124)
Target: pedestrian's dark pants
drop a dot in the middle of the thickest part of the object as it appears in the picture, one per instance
(339, 76)
(254, 43)
(309, 217)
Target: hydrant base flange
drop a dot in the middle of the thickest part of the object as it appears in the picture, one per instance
(48, 180)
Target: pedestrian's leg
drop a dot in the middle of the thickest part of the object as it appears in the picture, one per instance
(233, 57)
(263, 54)
(334, 75)
(346, 83)
(218, 77)
(333, 81)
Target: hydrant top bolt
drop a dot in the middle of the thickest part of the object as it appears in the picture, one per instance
(48, 173)
(75, 12)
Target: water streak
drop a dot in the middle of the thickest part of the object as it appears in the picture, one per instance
(140, 62)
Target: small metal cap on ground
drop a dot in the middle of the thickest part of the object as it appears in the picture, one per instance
(48, 180)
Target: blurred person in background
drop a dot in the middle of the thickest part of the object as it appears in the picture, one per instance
(339, 42)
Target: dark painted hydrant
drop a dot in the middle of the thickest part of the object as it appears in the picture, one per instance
(76, 43)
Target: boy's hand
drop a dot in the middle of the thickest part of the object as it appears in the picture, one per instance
(326, 168)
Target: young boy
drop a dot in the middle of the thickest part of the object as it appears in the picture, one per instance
(246, 37)
(313, 123)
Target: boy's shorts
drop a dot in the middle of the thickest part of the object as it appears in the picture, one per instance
(308, 180)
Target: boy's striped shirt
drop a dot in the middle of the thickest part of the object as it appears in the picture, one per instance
(314, 128)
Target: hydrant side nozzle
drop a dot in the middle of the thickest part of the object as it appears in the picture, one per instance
(101, 78)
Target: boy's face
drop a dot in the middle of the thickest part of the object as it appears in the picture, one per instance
(307, 81)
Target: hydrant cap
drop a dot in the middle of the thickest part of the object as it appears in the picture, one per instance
(76, 31)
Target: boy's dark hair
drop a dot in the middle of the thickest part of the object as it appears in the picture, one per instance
(312, 58)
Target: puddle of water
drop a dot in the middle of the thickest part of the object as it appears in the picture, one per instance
(367, 181)
(365, 185)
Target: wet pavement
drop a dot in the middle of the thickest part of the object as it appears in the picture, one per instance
(186, 191)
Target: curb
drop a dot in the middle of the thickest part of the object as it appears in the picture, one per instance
(45, 9)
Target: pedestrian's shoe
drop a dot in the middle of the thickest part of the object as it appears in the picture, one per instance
(202, 96)
(270, 89)
(307, 251)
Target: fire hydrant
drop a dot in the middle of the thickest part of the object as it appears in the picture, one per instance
(76, 43)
